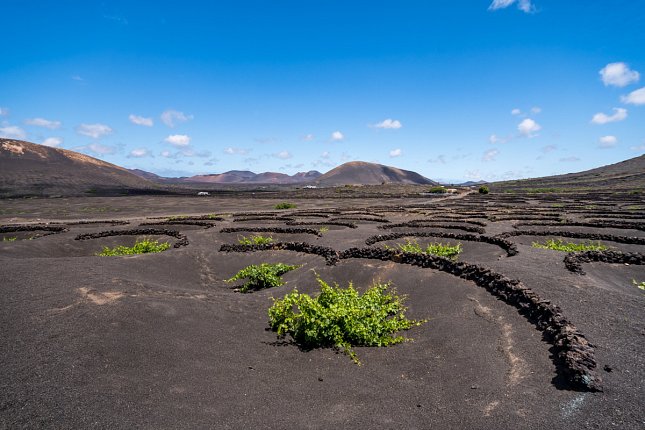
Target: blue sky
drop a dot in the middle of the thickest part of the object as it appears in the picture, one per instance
(455, 90)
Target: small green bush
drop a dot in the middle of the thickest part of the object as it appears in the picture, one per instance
(483, 189)
(142, 246)
(323, 229)
(285, 205)
(342, 318)
(10, 239)
(437, 190)
(640, 286)
(439, 249)
(256, 239)
(263, 276)
(560, 245)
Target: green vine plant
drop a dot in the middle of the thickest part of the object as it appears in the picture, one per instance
(342, 318)
(256, 239)
(261, 277)
(439, 249)
(560, 245)
(141, 246)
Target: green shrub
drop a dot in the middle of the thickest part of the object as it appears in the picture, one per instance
(342, 318)
(256, 239)
(10, 239)
(439, 249)
(437, 190)
(263, 276)
(560, 245)
(640, 286)
(323, 229)
(483, 189)
(142, 246)
(285, 205)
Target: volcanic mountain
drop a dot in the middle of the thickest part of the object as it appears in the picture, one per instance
(31, 169)
(363, 173)
(628, 174)
(246, 177)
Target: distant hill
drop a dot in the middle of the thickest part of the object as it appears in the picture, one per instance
(363, 173)
(31, 169)
(246, 177)
(625, 175)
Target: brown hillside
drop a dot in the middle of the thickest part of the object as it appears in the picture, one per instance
(31, 169)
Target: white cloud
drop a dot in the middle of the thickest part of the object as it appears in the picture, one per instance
(93, 130)
(4, 111)
(41, 122)
(528, 127)
(54, 142)
(172, 117)
(618, 75)
(283, 155)
(101, 149)
(139, 153)
(640, 148)
(308, 137)
(325, 155)
(601, 118)
(337, 136)
(516, 111)
(389, 123)
(12, 132)
(636, 97)
(236, 151)
(140, 120)
(607, 142)
(396, 153)
(166, 154)
(523, 5)
(493, 139)
(438, 159)
(178, 140)
(536, 110)
(490, 155)
(77, 78)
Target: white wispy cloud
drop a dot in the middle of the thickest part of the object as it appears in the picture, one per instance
(308, 137)
(396, 153)
(235, 151)
(536, 110)
(42, 122)
(178, 140)
(12, 132)
(618, 75)
(172, 117)
(388, 124)
(494, 139)
(523, 5)
(516, 112)
(607, 142)
(528, 127)
(548, 148)
(101, 149)
(54, 142)
(283, 155)
(325, 155)
(77, 78)
(93, 130)
(636, 97)
(4, 111)
(490, 155)
(139, 153)
(441, 159)
(166, 154)
(140, 120)
(337, 136)
(602, 118)
(640, 148)
(570, 159)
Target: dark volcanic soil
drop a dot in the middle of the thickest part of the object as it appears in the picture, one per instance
(161, 341)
